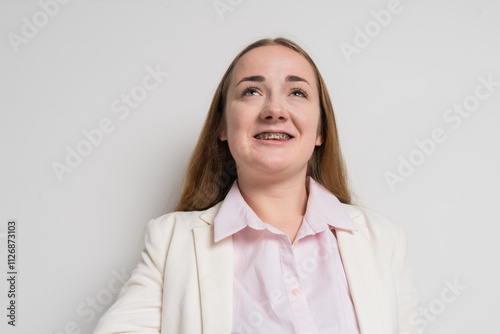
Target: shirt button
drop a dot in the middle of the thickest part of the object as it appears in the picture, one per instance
(296, 292)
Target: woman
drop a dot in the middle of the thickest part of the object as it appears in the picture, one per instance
(265, 238)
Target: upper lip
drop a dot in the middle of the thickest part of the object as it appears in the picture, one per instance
(273, 131)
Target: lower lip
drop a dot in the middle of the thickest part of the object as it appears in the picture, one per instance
(273, 141)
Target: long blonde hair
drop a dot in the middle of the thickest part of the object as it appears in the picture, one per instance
(212, 169)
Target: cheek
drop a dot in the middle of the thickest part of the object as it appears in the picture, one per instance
(237, 123)
(311, 126)
(233, 126)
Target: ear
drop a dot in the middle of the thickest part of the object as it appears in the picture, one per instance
(319, 132)
(319, 140)
(222, 135)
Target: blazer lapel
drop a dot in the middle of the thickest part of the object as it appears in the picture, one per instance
(362, 275)
(215, 276)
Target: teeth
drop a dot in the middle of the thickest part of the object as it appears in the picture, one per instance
(273, 135)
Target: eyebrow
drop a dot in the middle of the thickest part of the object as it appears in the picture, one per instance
(260, 78)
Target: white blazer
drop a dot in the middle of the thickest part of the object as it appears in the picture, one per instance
(183, 283)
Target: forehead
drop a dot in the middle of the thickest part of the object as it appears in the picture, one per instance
(273, 61)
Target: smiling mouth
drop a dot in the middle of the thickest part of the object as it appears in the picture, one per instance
(273, 136)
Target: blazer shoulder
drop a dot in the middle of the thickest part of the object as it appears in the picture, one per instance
(184, 221)
(385, 235)
(374, 223)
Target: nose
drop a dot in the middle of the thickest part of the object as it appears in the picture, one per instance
(273, 109)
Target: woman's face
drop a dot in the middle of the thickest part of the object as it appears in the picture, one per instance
(272, 112)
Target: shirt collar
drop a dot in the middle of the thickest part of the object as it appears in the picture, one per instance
(322, 207)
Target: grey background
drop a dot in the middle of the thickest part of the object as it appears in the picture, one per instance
(79, 237)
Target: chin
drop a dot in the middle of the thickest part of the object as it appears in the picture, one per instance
(274, 166)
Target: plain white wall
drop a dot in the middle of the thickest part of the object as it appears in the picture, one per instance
(393, 84)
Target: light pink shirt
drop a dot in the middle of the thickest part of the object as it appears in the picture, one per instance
(284, 288)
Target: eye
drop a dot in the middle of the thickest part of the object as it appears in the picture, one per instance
(299, 91)
(249, 91)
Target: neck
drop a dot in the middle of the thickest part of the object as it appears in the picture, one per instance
(280, 202)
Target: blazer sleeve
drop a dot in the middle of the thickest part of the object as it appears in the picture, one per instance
(137, 308)
(409, 304)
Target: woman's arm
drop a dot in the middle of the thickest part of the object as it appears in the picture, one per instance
(138, 305)
(408, 298)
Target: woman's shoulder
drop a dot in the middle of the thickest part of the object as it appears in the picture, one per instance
(382, 232)
(185, 220)
(373, 222)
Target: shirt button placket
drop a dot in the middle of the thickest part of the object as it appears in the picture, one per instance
(293, 286)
